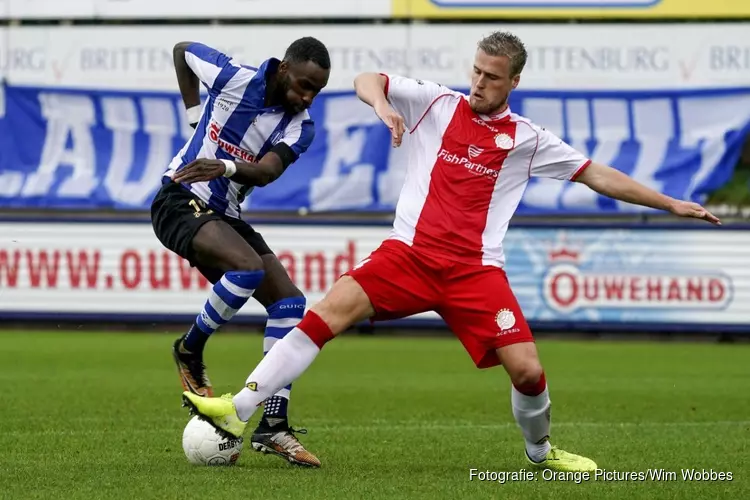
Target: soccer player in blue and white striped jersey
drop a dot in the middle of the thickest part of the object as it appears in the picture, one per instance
(253, 125)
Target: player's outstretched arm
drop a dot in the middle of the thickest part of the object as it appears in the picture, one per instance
(614, 184)
(187, 80)
(370, 89)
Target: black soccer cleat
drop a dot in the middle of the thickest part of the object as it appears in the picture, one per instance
(192, 370)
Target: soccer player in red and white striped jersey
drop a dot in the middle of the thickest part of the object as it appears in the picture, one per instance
(470, 159)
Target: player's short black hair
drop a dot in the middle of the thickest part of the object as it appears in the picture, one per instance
(308, 49)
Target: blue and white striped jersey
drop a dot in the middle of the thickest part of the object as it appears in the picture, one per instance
(235, 124)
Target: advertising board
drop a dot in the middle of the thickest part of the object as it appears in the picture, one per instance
(570, 9)
(374, 9)
(108, 150)
(576, 276)
(91, 115)
(561, 57)
(182, 9)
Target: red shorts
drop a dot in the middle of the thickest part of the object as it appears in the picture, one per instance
(475, 301)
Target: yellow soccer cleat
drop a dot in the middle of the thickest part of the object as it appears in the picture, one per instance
(219, 412)
(562, 461)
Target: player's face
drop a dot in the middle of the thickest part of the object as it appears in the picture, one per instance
(300, 83)
(491, 83)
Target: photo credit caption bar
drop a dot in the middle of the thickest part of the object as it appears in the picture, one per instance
(655, 475)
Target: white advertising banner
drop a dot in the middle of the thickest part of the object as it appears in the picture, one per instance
(229, 9)
(635, 278)
(123, 268)
(616, 57)
(572, 57)
(50, 9)
(183, 9)
(140, 58)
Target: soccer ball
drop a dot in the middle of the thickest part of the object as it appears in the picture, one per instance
(203, 445)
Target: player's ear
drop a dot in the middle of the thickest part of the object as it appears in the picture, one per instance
(283, 67)
(516, 80)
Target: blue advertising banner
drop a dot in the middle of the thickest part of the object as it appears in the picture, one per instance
(108, 149)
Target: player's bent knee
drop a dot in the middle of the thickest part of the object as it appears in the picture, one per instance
(346, 304)
(247, 263)
(521, 361)
(527, 374)
(218, 245)
(281, 285)
(239, 258)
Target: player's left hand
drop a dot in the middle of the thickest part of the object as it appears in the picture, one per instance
(695, 211)
(200, 170)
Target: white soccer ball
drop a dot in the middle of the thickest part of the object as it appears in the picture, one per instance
(204, 445)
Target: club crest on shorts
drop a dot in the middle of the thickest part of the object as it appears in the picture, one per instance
(505, 319)
(504, 141)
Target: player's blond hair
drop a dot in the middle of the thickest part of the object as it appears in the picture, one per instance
(504, 43)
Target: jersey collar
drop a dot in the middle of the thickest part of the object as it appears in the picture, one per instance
(500, 116)
(491, 118)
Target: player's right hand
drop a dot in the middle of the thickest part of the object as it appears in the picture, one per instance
(200, 170)
(392, 120)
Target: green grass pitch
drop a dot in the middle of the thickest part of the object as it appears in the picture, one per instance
(86, 415)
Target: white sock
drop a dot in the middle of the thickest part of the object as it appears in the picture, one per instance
(288, 359)
(533, 416)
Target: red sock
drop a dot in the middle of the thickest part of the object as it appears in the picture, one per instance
(314, 327)
(534, 389)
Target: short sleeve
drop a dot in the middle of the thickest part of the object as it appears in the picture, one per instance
(412, 98)
(299, 134)
(213, 68)
(555, 159)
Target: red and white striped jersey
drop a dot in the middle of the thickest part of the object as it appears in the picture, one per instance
(467, 172)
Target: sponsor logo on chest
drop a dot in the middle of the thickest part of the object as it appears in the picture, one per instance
(483, 158)
(464, 160)
(214, 135)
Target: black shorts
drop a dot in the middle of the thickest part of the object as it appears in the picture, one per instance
(177, 215)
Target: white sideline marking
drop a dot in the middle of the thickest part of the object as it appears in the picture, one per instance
(412, 426)
(327, 426)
